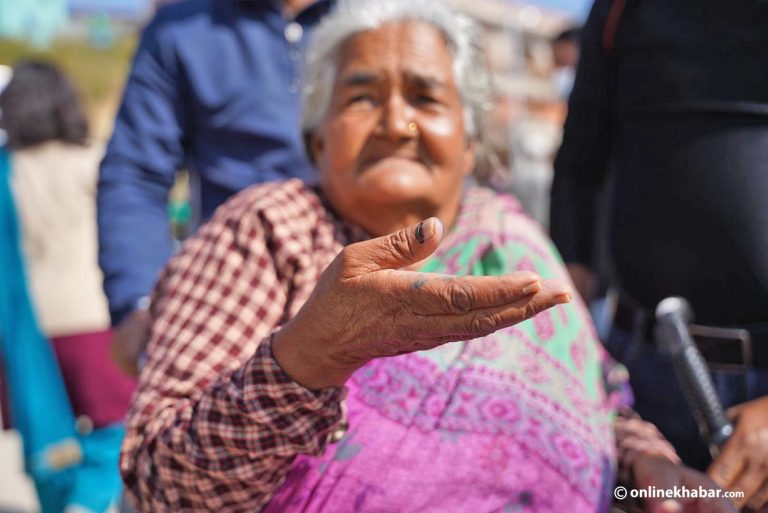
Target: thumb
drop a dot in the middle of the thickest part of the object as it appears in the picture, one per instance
(728, 464)
(394, 251)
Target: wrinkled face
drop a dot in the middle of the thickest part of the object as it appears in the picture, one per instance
(392, 150)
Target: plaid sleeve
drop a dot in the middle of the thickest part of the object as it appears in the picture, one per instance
(216, 423)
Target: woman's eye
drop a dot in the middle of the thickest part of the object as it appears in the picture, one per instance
(361, 98)
(425, 99)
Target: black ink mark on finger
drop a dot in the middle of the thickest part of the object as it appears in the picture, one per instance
(420, 233)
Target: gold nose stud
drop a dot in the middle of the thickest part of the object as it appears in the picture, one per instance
(412, 128)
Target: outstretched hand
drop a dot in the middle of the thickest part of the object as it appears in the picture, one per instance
(365, 306)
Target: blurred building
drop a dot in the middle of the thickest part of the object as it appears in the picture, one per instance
(37, 21)
(524, 126)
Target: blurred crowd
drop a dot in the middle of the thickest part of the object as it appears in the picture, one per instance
(631, 152)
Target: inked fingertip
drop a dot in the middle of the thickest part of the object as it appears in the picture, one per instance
(419, 233)
(428, 229)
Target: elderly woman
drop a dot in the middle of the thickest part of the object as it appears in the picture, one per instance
(299, 358)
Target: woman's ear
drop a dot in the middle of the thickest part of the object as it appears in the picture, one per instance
(315, 146)
(470, 156)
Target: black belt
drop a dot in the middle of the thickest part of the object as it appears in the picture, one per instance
(723, 347)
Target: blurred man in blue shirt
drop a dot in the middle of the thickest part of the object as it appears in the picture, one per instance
(215, 89)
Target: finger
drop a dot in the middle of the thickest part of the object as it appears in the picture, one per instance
(695, 479)
(759, 500)
(750, 482)
(394, 251)
(734, 411)
(484, 321)
(437, 294)
(728, 465)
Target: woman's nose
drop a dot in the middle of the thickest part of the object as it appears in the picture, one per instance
(397, 119)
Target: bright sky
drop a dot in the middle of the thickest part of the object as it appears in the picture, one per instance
(578, 9)
(130, 6)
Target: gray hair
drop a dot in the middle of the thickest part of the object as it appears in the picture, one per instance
(352, 17)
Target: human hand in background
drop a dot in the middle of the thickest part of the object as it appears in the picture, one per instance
(365, 307)
(129, 340)
(743, 463)
(652, 470)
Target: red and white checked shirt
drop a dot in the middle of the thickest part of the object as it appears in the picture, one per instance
(216, 423)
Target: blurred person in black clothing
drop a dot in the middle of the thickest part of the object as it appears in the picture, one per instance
(671, 98)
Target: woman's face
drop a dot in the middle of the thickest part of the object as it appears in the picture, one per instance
(391, 149)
